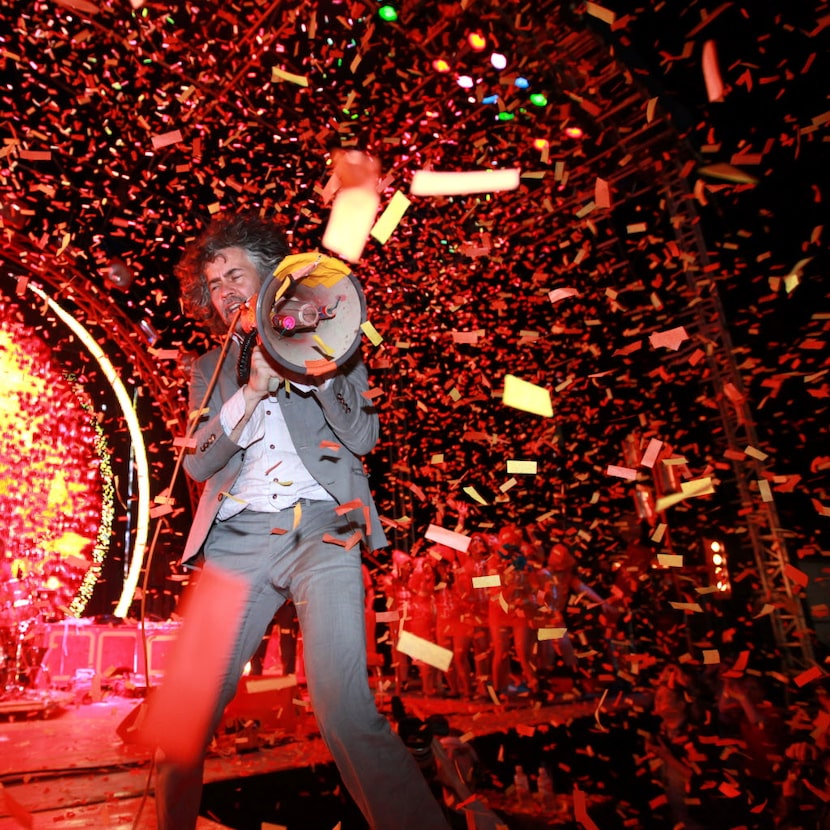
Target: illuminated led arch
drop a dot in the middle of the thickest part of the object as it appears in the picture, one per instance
(141, 463)
(102, 541)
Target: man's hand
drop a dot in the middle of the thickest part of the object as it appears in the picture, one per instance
(264, 378)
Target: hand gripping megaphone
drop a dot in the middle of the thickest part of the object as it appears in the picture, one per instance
(307, 316)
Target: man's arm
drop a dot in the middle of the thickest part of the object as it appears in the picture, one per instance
(348, 412)
(212, 447)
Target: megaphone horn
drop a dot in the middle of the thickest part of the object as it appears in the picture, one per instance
(309, 315)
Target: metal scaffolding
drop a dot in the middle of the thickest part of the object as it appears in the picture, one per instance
(646, 160)
(765, 539)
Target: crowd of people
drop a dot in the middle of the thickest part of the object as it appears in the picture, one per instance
(727, 742)
(511, 608)
(502, 607)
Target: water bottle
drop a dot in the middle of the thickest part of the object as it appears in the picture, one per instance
(545, 787)
(521, 785)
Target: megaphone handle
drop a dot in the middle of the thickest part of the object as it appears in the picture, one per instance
(243, 365)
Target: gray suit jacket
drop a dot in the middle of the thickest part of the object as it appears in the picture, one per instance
(338, 414)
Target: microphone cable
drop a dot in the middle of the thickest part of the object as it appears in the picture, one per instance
(192, 425)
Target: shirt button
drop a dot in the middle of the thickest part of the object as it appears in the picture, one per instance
(273, 447)
(267, 411)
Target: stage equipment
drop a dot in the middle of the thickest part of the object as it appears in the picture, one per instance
(717, 566)
(307, 317)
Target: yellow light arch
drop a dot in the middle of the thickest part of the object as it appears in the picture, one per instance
(139, 448)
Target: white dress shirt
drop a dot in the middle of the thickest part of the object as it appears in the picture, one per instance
(273, 476)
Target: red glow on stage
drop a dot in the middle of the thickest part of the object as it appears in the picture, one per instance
(50, 488)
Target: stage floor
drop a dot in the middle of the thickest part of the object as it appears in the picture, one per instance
(66, 766)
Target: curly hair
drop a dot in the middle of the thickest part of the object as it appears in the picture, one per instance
(259, 238)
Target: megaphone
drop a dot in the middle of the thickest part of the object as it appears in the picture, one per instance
(308, 317)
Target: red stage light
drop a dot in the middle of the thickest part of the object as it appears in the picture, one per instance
(717, 566)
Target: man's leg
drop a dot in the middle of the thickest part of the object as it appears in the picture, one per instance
(178, 789)
(376, 767)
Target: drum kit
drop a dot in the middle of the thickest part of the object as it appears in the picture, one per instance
(27, 605)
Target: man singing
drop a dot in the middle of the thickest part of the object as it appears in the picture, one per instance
(267, 515)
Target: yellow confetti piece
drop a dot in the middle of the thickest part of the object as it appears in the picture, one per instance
(669, 560)
(697, 487)
(420, 649)
(692, 607)
(711, 656)
(437, 183)
(374, 336)
(474, 495)
(488, 581)
(753, 452)
(298, 515)
(352, 217)
(727, 172)
(232, 497)
(64, 242)
(390, 218)
(321, 343)
(518, 467)
(282, 75)
(688, 489)
(521, 394)
(257, 685)
(600, 12)
(551, 633)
